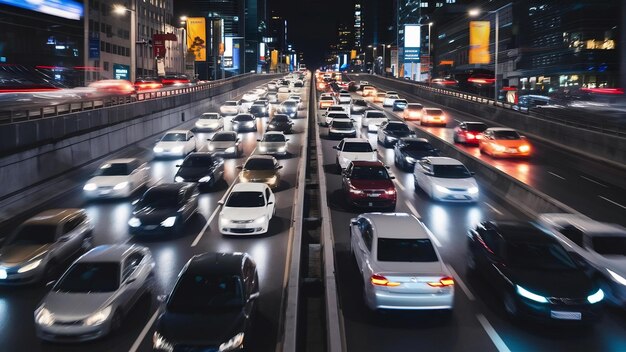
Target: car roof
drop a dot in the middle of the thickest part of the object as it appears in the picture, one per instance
(170, 186)
(274, 132)
(216, 263)
(355, 140)
(249, 187)
(500, 129)
(177, 131)
(208, 155)
(391, 122)
(339, 119)
(109, 253)
(588, 226)
(519, 231)
(442, 160)
(53, 216)
(211, 113)
(373, 110)
(397, 225)
(225, 132)
(431, 109)
(367, 163)
(414, 139)
(120, 161)
(326, 96)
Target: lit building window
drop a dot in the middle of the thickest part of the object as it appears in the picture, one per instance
(424, 4)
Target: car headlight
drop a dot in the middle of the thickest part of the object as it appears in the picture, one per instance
(234, 343)
(98, 317)
(121, 185)
(260, 220)
(281, 149)
(499, 148)
(272, 180)
(230, 150)
(617, 277)
(159, 343)
(472, 190)
(410, 159)
(134, 222)
(205, 179)
(596, 297)
(30, 266)
(211, 147)
(532, 296)
(169, 222)
(177, 149)
(262, 148)
(441, 189)
(158, 150)
(178, 179)
(90, 187)
(356, 191)
(524, 148)
(44, 317)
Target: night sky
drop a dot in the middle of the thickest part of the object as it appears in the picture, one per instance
(312, 24)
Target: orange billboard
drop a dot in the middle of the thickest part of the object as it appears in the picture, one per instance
(196, 37)
(479, 42)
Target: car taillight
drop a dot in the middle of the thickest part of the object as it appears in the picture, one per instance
(390, 191)
(443, 282)
(379, 280)
(470, 136)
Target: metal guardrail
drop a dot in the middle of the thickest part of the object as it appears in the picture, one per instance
(567, 116)
(17, 113)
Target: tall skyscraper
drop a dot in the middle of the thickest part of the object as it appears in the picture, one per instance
(358, 27)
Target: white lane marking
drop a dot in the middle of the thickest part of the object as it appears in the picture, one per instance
(465, 289)
(555, 175)
(493, 208)
(493, 335)
(143, 333)
(199, 236)
(594, 181)
(614, 202)
(412, 209)
(399, 185)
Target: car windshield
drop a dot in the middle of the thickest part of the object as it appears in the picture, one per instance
(224, 137)
(476, 127)
(245, 200)
(433, 112)
(115, 169)
(259, 164)
(243, 118)
(198, 161)
(34, 234)
(256, 107)
(357, 147)
(360, 103)
(343, 125)
(335, 108)
(204, 293)
(539, 256)
(397, 127)
(376, 115)
(90, 278)
(160, 198)
(326, 98)
(369, 173)
(210, 117)
(506, 135)
(406, 250)
(418, 146)
(290, 104)
(340, 115)
(273, 138)
(397, 101)
(280, 118)
(609, 245)
(230, 103)
(451, 171)
(414, 106)
(174, 137)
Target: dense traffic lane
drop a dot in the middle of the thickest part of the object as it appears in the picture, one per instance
(600, 189)
(478, 322)
(110, 220)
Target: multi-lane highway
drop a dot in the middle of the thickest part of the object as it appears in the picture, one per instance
(478, 322)
(171, 253)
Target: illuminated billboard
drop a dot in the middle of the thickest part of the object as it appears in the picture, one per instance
(412, 43)
(196, 37)
(479, 42)
(69, 9)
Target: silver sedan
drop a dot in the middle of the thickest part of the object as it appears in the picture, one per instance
(92, 297)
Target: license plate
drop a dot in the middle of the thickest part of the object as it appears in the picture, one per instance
(150, 227)
(105, 192)
(565, 315)
(374, 195)
(3, 274)
(459, 196)
(511, 150)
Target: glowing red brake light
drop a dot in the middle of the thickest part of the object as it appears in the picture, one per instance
(443, 282)
(379, 280)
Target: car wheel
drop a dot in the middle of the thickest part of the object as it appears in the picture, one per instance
(510, 306)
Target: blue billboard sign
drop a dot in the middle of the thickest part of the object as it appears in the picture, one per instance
(121, 71)
(69, 9)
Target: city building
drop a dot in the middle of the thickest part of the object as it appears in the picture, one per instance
(358, 28)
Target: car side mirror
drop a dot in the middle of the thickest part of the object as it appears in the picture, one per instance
(134, 202)
(472, 173)
(220, 202)
(258, 140)
(323, 124)
(392, 177)
(335, 147)
(178, 165)
(287, 140)
(253, 296)
(387, 167)
(279, 167)
(239, 167)
(270, 203)
(353, 222)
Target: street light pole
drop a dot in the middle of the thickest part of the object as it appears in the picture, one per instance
(430, 56)
(120, 9)
(383, 73)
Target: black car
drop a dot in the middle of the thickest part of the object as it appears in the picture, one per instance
(289, 108)
(164, 208)
(280, 122)
(409, 150)
(532, 273)
(259, 109)
(358, 106)
(244, 122)
(211, 307)
(202, 168)
(390, 132)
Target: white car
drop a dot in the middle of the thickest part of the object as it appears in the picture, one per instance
(297, 98)
(225, 143)
(273, 142)
(117, 178)
(250, 96)
(335, 115)
(326, 101)
(344, 98)
(176, 143)
(353, 149)
(445, 179)
(247, 210)
(372, 119)
(334, 108)
(210, 121)
(283, 94)
(600, 244)
(389, 99)
(271, 85)
(399, 266)
(230, 108)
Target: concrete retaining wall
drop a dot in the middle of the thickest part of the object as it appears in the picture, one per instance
(593, 144)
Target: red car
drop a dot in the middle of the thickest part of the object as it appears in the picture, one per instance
(367, 184)
(469, 132)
